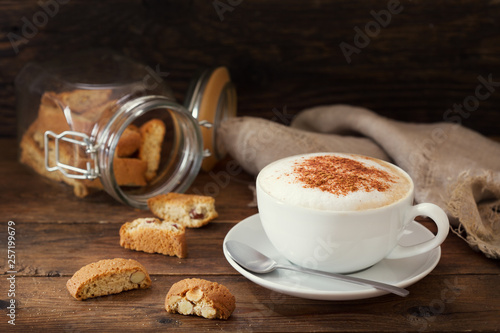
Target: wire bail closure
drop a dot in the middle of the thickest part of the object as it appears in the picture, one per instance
(206, 124)
(67, 170)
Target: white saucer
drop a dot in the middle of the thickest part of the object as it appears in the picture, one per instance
(398, 272)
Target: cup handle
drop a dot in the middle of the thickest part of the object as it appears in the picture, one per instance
(440, 219)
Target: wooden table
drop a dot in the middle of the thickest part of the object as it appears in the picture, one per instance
(56, 234)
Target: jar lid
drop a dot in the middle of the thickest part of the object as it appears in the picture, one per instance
(211, 99)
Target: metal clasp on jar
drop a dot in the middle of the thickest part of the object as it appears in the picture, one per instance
(206, 124)
(70, 171)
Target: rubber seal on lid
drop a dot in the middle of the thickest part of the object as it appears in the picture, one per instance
(211, 99)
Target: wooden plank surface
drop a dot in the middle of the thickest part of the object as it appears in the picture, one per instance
(436, 304)
(284, 56)
(57, 233)
(68, 246)
(99, 207)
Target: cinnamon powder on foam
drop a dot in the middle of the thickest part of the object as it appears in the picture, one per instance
(341, 176)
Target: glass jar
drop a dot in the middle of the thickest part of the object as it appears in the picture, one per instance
(100, 121)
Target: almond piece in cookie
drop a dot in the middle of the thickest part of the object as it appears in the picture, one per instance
(200, 298)
(152, 235)
(106, 277)
(190, 210)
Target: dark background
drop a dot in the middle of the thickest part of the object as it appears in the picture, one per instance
(284, 56)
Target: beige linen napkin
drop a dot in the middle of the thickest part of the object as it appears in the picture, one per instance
(452, 166)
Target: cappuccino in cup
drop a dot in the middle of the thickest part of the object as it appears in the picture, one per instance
(341, 212)
(338, 182)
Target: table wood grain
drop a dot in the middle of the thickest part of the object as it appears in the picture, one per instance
(56, 234)
(284, 56)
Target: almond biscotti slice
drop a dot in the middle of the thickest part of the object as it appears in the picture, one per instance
(200, 298)
(81, 100)
(152, 135)
(190, 210)
(129, 171)
(154, 236)
(108, 276)
(129, 142)
(33, 155)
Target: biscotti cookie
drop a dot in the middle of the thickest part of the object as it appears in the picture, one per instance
(191, 210)
(81, 100)
(154, 236)
(106, 277)
(152, 134)
(129, 142)
(33, 156)
(129, 171)
(53, 112)
(200, 298)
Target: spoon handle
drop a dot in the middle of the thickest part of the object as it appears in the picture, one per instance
(352, 279)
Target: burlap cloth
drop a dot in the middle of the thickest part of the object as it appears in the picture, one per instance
(452, 166)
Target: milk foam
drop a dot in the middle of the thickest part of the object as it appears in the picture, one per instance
(280, 180)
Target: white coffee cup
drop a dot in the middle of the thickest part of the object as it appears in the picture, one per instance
(348, 237)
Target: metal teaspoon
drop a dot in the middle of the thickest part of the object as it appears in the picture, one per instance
(257, 262)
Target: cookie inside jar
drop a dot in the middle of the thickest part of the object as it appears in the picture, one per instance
(100, 121)
(165, 143)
